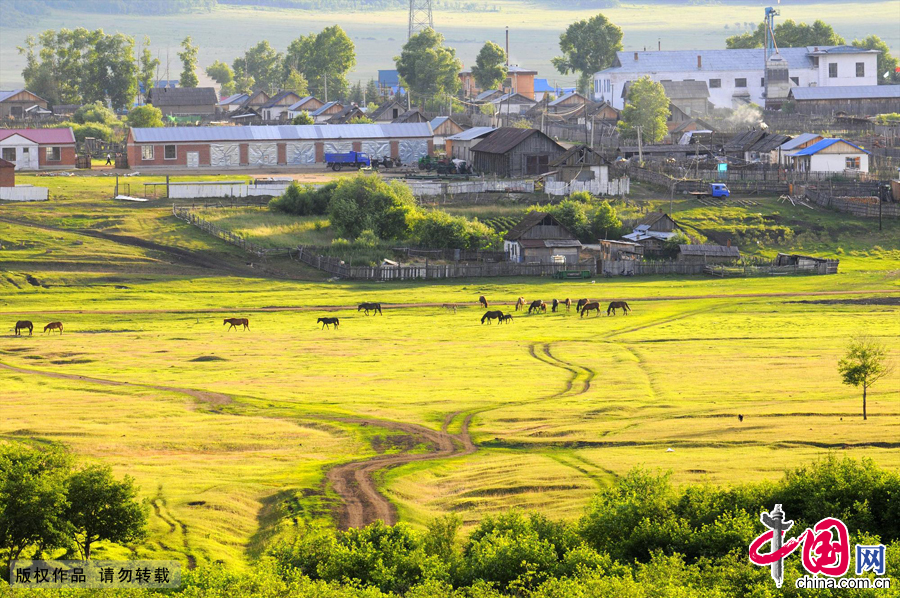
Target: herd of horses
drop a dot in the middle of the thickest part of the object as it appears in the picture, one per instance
(29, 326)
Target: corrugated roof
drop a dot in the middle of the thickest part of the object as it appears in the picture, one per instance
(820, 145)
(321, 109)
(470, 134)
(769, 143)
(238, 98)
(710, 250)
(278, 97)
(679, 90)
(711, 60)
(42, 136)
(515, 98)
(182, 96)
(847, 92)
(8, 94)
(280, 133)
(799, 140)
(564, 97)
(438, 121)
(298, 105)
(504, 139)
(487, 94)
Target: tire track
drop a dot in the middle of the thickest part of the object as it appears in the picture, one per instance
(579, 373)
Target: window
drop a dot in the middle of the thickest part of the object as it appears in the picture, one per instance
(170, 152)
(795, 81)
(9, 154)
(860, 69)
(832, 70)
(715, 83)
(742, 82)
(53, 154)
(852, 163)
(146, 152)
(762, 82)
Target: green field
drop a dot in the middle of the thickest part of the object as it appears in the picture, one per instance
(379, 35)
(229, 434)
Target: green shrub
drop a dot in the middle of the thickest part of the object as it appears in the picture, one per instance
(368, 202)
(440, 230)
(304, 200)
(95, 113)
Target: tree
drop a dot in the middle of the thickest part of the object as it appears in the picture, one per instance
(863, 365)
(428, 68)
(102, 508)
(145, 117)
(360, 120)
(264, 65)
(606, 223)
(357, 95)
(148, 66)
(222, 74)
(370, 203)
(490, 66)
(324, 59)
(297, 83)
(587, 47)
(95, 113)
(32, 498)
(887, 63)
(647, 107)
(303, 119)
(188, 57)
(372, 95)
(788, 34)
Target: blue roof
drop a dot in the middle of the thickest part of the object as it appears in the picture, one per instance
(542, 86)
(388, 77)
(819, 146)
(438, 121)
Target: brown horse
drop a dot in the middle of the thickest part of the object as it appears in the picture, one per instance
(581, 303)
(568, 304)
(235, 322)
(450, 307)
(593, 306)
(366, 307)
(492, 315)
(483, 302)
(506, 318)
(54, 326)
(520, 303)
(328, 321)
(616, 305)
(555, 305)
(537, 305)
(22, 325)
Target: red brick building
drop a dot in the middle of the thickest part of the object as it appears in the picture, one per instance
(7, 173)
(38, 149)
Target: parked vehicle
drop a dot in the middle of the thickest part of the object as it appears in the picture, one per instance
(348, 159)
(714, 190)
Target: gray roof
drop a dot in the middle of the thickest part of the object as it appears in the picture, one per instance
(470, 134)
(299, 104)
(484, 95)
(238, 98)
(321, 109)
(515, 98)
(818, 50)
(711, 60)
(278, 97)
(710, 250)
(564, 97)
(182, 96)
(847, 92)
(8, 94)
(505, 139)
(281, 133)
(799, 140)
(438, 121)
(676, 90)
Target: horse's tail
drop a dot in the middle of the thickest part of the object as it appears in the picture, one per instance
(625, 306)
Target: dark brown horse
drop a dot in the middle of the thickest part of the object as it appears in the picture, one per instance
(593, 306)
(235, 322)
(555, 305)
(506, 318)
(375, 308)
(22, 325)
(328, 321)
(581, 303)
(520, 303)
(483, 302)
(54, 326)
(616, 305)
(492, 315)
(537, 305)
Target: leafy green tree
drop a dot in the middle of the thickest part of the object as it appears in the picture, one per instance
(427, 67)
(372, 95)
(103, 509)
(887, 63)
(303, 119)
(188, 57)
(864, 365)
(324, 59)
(95, 130)
(304, 200)
(360, 120)
(297, 83)
(264, 65)
(788, 34)
(95, 113)
(437, 229)
(368, 202)
(145, 117)
(490, 66)
(222, 74)
(148, 66)
(587, 47)
(647, 107)
(32, 499)
(606, 223)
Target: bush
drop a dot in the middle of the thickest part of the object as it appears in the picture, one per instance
(95, 113)
(304, 200)
(368, 202)
(96, 130)
(303, 119)
(440, 230)
(145, 117)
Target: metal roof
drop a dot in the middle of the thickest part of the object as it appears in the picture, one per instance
(322, 108)
(59, 136)
(710, 250)
(820, 145)
(297, 105)
(182, 96)
(818, 50)
(279, 133)
(506, 138)
(564, 97)
(516, 98)
(711, 60)
(470, 134)
(799, 140)
(847, 92)
(516, 69)
(438, 121)
(489, 93)
(238, 98)
(278, 97)
(8, 94)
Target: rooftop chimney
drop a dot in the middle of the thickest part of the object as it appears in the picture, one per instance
(635, 55)
(699, 61)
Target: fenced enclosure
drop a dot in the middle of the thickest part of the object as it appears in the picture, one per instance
(618, 187)
(24, 193)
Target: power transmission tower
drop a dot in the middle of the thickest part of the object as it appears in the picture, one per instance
(419, 16)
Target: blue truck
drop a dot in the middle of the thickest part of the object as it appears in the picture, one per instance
(714, 190)
(348, 159)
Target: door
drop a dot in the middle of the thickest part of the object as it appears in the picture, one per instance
(193, 159)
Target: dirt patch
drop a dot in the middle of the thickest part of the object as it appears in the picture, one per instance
(396, 442)
(71, 361)
(203, 358)
(866, 301)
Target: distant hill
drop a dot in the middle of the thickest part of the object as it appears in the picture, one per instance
(18, 13)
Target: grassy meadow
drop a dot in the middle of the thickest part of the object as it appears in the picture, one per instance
(229, 434)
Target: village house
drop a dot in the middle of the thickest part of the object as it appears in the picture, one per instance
(326, 111)
(231, 103)
(853, 100)
(830, 155)
(251, 109)
(514, 152)
(511, 103)
(278, 106)
(519, 80)
(413, 115)
(652, 232)
(387, 112)
(799, 142)
(567, 103)
(38, 149)
(539, 239)
(443, 127)
(459, 146)
(308, 104)
(754, 147)
(184, 101)
(543, 90)
(21, 104)
(708, 254)
(737, 77)
(346, 115)
(579, 163)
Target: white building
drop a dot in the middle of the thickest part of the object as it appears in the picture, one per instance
(737, 77)
(831, 155)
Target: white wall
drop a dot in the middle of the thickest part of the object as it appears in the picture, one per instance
(836, 162)
(26, 152)
(24, 193)
(847, 70)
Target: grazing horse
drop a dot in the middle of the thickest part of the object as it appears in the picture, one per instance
(54, 326)
(520, 303)
(22, 325)
(593, 306)
(617, 304)
(537, 305)
(449, 307)
(568, 304)
(328, 321)
(506, 318)
(374, 307)
(581, 303)
(483, 302)
(555, 305)
(491, 315)
(235, 322)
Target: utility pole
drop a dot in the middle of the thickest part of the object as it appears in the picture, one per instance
(326, 88)
(640, 145)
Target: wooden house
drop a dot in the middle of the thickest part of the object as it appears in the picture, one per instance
(413, 115)
(443, 127)
(514, 152)
(540, 238)
(20, 104)
(459, 146)
(278, 106)
(326, 111)
(830, 155)
(708, 254)
(308, 104)
(346, 115)
(580, 163)
(187, 101)
(652, 232)
(387, 112)
(801, 141)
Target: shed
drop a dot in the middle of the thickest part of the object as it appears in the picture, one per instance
(413, 115)
(580, 163)
(855, 100)
(20, 104)
(830, 155)
(188, 101)
(388, 111)
(538, 238)
(459, 146)
(514, 152)
(691, 97)
(652, 232)
(346, 115)
(799, 142)
(443, 127)
(708, 254)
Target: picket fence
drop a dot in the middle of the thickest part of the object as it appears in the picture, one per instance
(618, 187)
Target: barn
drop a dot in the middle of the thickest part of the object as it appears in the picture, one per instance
(459, 146)
(20, 104)
(38, 149)
(708, 254)
(186, 101)
(443, 127)
(540, 238)
(514, 152)
(226, 148)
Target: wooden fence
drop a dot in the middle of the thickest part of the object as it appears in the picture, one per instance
(723, 270)
(858, 205)
(229, 237)
(454, 255)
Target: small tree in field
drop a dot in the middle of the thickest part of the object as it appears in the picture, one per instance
(863, 365)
